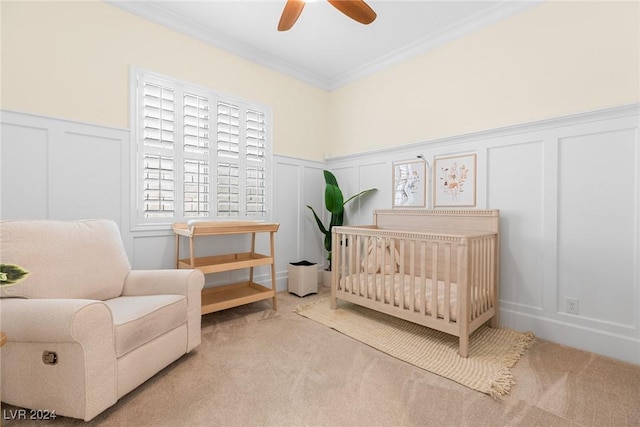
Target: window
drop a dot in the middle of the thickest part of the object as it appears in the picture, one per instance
(199, 154)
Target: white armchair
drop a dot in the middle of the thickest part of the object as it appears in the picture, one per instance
(84, 329)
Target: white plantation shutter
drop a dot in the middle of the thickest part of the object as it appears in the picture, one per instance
(199, 154)
(196, 156)
(228, 159)
(255, 164)
(158, 140)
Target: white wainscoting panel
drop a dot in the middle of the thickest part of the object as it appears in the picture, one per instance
(598, 225)
(24, 168)
(515, 186)
(58, 169)
(154, 251)
(86, 176)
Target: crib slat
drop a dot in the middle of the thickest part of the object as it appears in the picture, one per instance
(392, 295)
(493, 275)
(447, 282)
(423, 274)
(375, 273)
(479, 302)
(412, 276)
(485, 265)
(335, 274)
(365, 266)
(483, 278)
(343, 265)
(485, 275)
(356, 265)
(434, 280)
(474, 279)
(463, 297)
(400, 272)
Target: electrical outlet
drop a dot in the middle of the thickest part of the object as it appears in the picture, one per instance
(571, 305)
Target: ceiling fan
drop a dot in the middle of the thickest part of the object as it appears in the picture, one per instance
(357, 10)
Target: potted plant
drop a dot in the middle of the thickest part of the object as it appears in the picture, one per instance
(334, 202)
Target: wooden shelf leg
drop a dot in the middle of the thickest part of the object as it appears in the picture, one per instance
(192, 260)
(177, 251)
(273, 271)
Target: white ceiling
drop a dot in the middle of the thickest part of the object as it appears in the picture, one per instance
(325, 48)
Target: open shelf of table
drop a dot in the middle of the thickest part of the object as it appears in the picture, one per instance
(223, 297)
(228, 296)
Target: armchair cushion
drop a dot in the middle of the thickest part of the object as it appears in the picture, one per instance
(139, 319)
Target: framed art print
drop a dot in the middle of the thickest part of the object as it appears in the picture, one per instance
(454, 181)
(409, 184)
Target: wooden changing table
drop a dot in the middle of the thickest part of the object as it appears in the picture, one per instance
(223, 297)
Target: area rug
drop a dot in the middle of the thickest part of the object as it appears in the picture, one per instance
(492, 352)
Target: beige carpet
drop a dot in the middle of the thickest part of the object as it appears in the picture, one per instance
(492, 352)
(260, 368)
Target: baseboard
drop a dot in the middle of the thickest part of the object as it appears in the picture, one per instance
(597, 341)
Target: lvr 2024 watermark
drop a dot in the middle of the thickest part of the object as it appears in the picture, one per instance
(28, 414)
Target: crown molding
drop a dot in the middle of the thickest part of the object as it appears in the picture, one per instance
(500, 11)
(166, 18)
(162, 16)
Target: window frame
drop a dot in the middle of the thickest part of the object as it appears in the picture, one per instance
(137, 153)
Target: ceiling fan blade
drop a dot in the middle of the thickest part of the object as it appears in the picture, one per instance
(355, 9)
(290, 14)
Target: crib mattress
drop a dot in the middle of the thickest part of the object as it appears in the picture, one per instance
(365, 283)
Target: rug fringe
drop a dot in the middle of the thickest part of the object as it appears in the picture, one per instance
(518, 349)
(502, 385)
(302, 307)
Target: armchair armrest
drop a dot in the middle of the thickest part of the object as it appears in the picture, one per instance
(80, 335)
(181, 282)
(158, 282)
(55, 320)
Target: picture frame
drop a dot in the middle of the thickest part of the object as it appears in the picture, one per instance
(454, 181)
(410, 184)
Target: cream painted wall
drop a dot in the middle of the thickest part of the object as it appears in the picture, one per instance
(556, 59)
(71, 60)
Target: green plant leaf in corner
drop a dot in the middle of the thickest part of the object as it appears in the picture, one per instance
(318, 221)
(11, 274)
(360, 194)
(334, 201)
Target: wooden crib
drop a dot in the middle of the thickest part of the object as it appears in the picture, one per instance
(436, 268)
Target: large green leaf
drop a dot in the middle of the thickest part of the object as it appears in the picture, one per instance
(330, 178)
(319, 222)
(360, 194)
(10, 274)
(333, 199)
